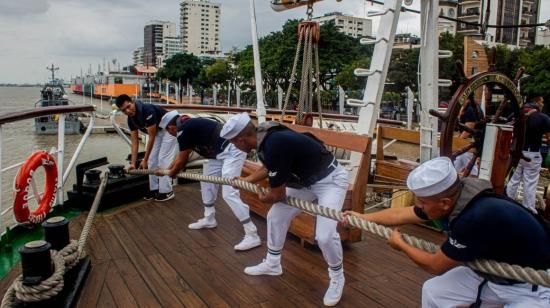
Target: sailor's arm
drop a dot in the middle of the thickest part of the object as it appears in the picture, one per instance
(256, 177)
(388, 217)
(151, 134)
(179, 163)
(434, 263)
(134, 148)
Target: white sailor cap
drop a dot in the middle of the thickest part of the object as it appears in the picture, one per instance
(432, 177)
(167, 118)
(234, 126)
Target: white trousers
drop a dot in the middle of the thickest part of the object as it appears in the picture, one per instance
(529, 173)
(227, 164)
(461, 161)
(329, 192)
(162, 156)
(459, 286)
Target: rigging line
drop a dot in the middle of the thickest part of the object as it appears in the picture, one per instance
(404, 9)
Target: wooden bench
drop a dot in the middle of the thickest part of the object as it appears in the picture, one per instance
(303, 225)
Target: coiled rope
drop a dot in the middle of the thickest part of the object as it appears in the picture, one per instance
(63, 261)
(501, 269)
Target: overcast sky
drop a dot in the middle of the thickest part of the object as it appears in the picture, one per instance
(75, 34)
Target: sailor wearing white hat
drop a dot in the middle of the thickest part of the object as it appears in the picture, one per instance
(481, 225)
(296, 165)
(224, 159)
(160, 148)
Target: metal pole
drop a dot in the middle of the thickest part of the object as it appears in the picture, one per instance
(79, 148)
(410, 104)
(1, 176)
(238, 90)
(429, 73)
(215, 94)
(279, 97)
(260, 104)
(91, 93)
(60, 155)
(229, 93)
(341, 99)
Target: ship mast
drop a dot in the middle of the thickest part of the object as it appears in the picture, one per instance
(52, 69)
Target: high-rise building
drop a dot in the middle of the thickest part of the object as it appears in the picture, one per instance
(153, 36)
(138, 56)
(200, 27)
(447, 8)
(350, 25)
(543, 37)
(170, 47)
(502, 12)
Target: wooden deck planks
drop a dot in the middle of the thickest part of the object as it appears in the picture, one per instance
(146, 256)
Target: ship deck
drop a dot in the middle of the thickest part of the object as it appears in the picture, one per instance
(143, 255)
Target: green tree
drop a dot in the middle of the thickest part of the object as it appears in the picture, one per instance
(182, 66)
(278, 49)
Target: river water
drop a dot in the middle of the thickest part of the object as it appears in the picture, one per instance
(19, 141)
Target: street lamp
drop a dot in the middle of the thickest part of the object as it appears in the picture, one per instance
(519, 81)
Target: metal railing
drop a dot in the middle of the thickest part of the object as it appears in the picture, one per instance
(62, 111)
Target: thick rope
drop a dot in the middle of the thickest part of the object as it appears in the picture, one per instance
(64, 260)
(293, 73)
(43, 291)
(91, 215)
(515, 272)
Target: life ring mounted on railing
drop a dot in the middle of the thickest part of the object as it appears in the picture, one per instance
(23, 181)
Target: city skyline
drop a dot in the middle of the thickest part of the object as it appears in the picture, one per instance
(76, 34)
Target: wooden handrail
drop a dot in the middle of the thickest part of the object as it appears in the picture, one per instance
(246, 109)
(42, 111)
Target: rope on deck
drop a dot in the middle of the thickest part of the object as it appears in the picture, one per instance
(63, 261)
(501, 269)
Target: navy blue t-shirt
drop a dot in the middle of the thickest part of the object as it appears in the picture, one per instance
(538, 124)
(497, 229)
(146, 115)
(288, 154)
(202, 136)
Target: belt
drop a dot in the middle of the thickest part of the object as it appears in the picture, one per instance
(533, 149)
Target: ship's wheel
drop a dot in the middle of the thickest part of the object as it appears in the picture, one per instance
(503, 105)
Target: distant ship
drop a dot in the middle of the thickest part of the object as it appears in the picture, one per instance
(53, 94)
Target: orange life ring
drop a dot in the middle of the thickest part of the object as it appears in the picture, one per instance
(22, 183)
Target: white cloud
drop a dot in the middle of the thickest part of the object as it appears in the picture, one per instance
(75, 34)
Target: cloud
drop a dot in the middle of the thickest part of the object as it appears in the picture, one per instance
(75, 34)
(23, 7)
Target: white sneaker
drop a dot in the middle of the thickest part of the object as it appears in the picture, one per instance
(335, 288)
(264, 268)
(204, 223)
(249, 241)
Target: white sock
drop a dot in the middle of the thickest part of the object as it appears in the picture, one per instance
(209, 210)
(250, 227)
(273, 256)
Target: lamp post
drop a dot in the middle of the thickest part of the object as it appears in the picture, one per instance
(519, 81)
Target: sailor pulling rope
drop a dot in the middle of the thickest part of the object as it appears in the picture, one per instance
(515, 272)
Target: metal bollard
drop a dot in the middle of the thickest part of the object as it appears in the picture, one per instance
(56, 232)
(36, 262)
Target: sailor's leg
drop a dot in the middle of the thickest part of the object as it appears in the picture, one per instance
(513, 184)
(152, 162)
(165, 158)
(531, 173)
(457, 288)
(209, 194)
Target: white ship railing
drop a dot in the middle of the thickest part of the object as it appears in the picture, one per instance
(62, 111)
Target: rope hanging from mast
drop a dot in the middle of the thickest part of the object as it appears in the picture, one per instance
(308, 37)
